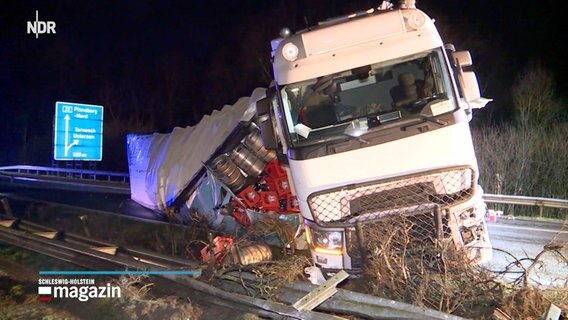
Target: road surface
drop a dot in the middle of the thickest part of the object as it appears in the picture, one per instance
(521, 239)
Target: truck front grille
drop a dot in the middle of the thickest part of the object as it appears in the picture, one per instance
(400, 236)
(409, 195)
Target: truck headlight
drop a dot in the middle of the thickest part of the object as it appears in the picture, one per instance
(326, 242)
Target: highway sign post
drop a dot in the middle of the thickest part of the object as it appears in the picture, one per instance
(78, 132)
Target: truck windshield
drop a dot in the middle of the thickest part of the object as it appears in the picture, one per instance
(367, 97)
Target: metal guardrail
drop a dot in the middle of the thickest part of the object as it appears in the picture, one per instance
(97, 175)
(99, 255)
(527, 201)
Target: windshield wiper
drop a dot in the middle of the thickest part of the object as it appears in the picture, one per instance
(424, 119)
(356, 129)
(434, 120)
(356, 137)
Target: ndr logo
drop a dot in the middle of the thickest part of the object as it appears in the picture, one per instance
(36, 27)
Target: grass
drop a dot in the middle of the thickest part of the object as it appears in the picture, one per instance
(33, 260)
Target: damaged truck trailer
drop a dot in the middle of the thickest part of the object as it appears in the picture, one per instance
(367, 121)
(217, 170)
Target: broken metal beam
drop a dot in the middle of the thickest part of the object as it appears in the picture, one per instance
(8, 223)
(321, 293)
(48, 234)
(108, 250)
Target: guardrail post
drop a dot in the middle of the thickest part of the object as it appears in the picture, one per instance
(6, 206)
(85, 224)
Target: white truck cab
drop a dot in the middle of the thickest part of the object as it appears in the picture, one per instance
(371, 113)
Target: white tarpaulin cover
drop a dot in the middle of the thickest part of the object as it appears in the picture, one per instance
(162, 165)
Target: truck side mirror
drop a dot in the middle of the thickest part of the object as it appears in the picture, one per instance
(264, 122)
(468, 80)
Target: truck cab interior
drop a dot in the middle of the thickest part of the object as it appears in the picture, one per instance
(400, 89)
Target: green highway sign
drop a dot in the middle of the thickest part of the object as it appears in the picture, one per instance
(78, 132)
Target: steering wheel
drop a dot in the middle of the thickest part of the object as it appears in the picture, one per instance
(422, 102)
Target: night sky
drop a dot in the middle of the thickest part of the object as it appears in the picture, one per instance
(159, 64)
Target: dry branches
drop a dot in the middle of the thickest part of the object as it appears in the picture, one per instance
(409, 264)
(418, 268)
